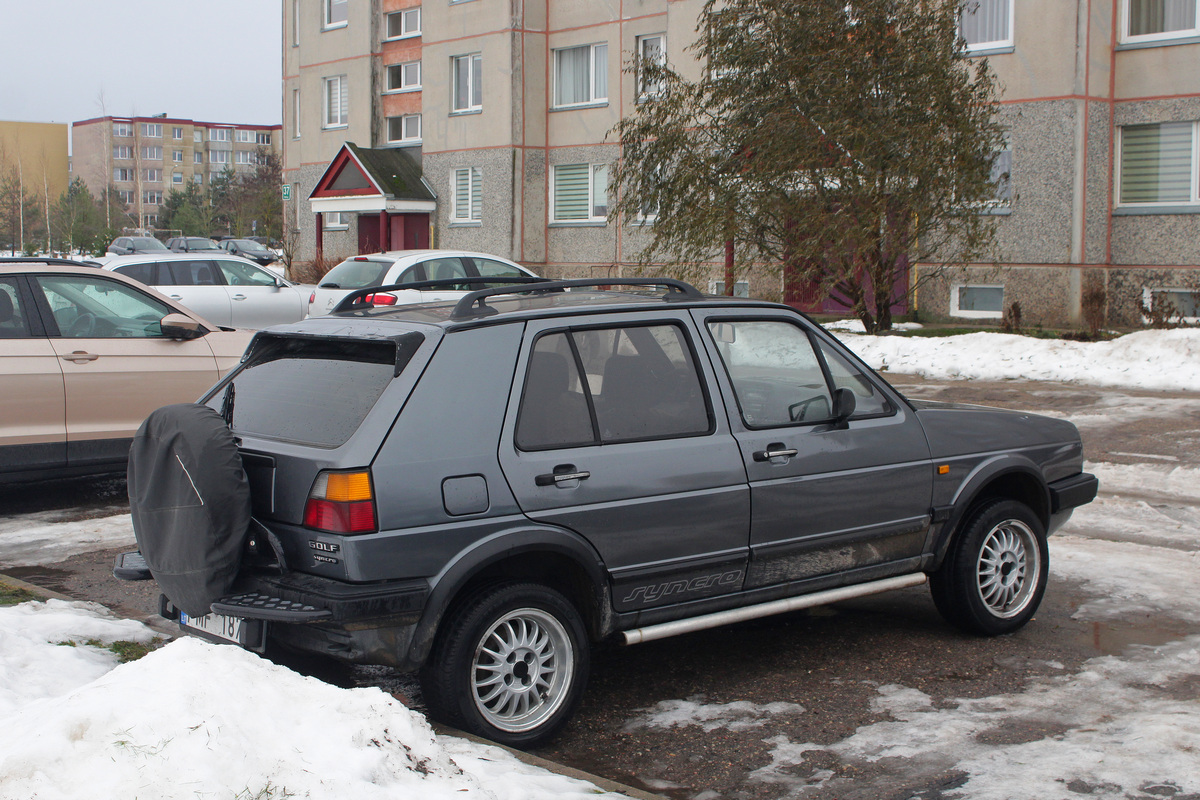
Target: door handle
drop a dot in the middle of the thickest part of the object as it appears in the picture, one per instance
(562, 474)
(775, 450)
(79, 356)
(176, 296)
(239, 297)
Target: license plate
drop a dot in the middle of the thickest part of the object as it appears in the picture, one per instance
(219, 626)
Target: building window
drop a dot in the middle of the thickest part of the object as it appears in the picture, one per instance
(1171, 305)
(218, 157)
(979, 302)
(152, 198)
(295, 23)
(402, 24)
(986, 24)
(1002, 176)
(337, 108)
(262, 137)
(467, 196)
(125, 196)
(336, 13)
(123, 174)
(652, 49)
(243, 137)
(580, 193)
(1158, 164)
(152, 153)
(466, 72)
(177, 134)
(581, 75)
(152, 175)
(151, 220)
(177, 178)
(198, 157)
(177, 156)
(404, 77)
(245, 157)
(152, 130)
(218, 135)
(1153, 20)
(740, 288)
(122, 129)
(405, 129)
(198, 177)
(295, 113)
(198, 135)
(337, 220)
(122, 151)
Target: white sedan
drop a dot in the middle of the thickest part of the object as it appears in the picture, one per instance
(226, 289)
(408, 266)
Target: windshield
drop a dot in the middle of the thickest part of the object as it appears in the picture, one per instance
(354, 273)
(245, 244)
(202, 244)
(148, 243)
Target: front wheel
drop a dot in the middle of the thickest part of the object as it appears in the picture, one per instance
(994, 575)
(510, 665)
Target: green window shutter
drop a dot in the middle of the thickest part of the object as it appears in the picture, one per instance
(476, 193)
(571, 191)
(462, 194)
(1156, 163)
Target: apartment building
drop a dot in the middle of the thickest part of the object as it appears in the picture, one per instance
(38, 152)
(484, 125)
(144, 158)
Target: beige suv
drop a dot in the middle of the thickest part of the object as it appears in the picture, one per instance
(85, 356)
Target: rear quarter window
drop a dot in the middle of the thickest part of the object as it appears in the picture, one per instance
(353, 274)
(310, 391)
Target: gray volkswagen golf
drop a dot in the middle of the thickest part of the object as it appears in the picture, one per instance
(478, 491)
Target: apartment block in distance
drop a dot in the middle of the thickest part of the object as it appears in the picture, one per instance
(144, 158)
(484, 125)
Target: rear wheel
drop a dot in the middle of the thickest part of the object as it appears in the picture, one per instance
(510, 664)
(994, 575)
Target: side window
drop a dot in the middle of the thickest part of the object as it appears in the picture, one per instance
(496, 269)
(868, 400)
(192, 273)
(414, 273)
(637, 383)
(438, 269)
(143, 273)
(239, 274)
(86, 307)
(14, 323)
(775, 372)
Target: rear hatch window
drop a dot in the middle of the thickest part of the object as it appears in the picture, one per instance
(356, 274)
(312, 391)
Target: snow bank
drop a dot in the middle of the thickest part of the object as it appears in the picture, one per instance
(43, 538)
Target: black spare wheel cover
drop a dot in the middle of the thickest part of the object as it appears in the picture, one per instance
(190, 503)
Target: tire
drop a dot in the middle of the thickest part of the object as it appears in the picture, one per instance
(509, 664)
(994, 574)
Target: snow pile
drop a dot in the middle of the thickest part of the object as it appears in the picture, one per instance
(32, 539)
(199, 720)
(1167, 359)
(734, 716)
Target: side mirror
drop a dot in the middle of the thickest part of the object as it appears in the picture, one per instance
(181, 326)
(844, 404)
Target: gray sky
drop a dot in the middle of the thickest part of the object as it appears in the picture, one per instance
(212, 60)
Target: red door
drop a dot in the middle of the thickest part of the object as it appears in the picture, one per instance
(410, 231)
(368, 233)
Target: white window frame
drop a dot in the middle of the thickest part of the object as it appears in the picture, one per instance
(472, 214)
(1193, 171)
(597, 75)
(404, 123)
(336, 220)
(295, 113)
(177, 134)
(123, 175)
(177, 178)
(122, 151)
(125, 196)
(995, 44)
(474, 67)
(198, 157)
(643, 92)
(198, 135)
(956, 311)
(243, 136)
(740, 288)
(1166, 36)
(1148, 293)
(263, 138)
(592, 218)
(218, 134)
(409, 73)
(151, 130)
(198, 177)
(295, 23)
(327, 101)
(151, 152)
(152, 175)
(328, 22)
(218, 157)
(244, 157)
(177, 156)
(409, 24)
(122, 129)
(152, 197)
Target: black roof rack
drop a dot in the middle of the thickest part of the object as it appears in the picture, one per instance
(473, 304)
(351, 301)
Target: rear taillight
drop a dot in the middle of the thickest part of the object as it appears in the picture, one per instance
(380, 299)
(341, 502)
(312, 298)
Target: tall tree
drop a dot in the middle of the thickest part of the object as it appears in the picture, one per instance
(76, 218)
(834, 141)
(187, 210)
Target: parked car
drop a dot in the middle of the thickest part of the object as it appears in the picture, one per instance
(85, 355)
(409, 266)
(126, 245)
(227, 289)
(478, 490)
(192, 244)
(249, 249)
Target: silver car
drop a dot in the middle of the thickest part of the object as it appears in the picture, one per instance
(229, 290)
